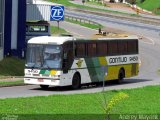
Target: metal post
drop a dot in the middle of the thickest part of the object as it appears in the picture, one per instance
(58, 24)
(104, 73)
(103, 83)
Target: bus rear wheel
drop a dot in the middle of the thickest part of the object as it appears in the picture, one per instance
(44, 87)
(76, 81)
(121, 76)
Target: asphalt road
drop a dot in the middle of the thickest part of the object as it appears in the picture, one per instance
(149, 54)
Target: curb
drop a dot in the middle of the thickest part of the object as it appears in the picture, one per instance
(21, 84)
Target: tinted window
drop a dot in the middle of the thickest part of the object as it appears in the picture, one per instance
(112, 48)
(122, 47)
(132, 47)
(92, 49)
(102, 48)
(80, 50)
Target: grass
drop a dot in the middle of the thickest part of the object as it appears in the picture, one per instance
(11, 83)
(150, 5)
(88, 25)
(95, 3)
(12, 66)
(69, 4)
(56, 31)
(144, 100)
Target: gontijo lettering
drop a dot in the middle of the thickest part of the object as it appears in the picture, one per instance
(123, 59)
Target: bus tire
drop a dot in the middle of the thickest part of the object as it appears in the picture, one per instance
(121, 76)
(76, 81)
(44, 87)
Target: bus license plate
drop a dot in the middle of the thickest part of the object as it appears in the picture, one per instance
(40, 80)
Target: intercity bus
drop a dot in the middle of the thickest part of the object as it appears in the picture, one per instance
(66, 61)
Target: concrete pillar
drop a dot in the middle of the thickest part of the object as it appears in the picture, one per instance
(2, 7)
(14, 24)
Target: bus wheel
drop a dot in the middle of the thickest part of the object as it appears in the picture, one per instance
(121, 76)
(76, 81)
(44, 87)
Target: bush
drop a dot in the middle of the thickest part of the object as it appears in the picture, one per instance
(141, 1)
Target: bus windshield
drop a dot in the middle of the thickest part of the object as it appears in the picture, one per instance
(43, 56)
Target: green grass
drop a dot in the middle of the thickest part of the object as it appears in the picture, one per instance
(95, 3)
(91, 25)
(56, 31)
(150, 5)
(140, 101)
(12, 66)
(69, 4)
(11, 83)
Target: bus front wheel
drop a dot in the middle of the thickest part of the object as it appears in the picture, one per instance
(76, 81)
(44, 87)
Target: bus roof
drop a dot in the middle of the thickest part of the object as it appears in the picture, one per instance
(49, 40)
(61, 39)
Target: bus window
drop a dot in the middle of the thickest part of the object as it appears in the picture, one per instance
(122, 47)
(132, 47)
(102, 49)
(92, 49)
(80, 50)
(113, 48)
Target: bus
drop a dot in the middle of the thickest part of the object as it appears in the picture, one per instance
(67, 61)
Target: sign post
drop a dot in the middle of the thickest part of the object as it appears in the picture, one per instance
(104, 70)
(57, 14)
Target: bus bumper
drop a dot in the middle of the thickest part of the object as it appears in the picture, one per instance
(42, 81)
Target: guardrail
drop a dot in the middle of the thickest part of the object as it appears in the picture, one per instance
(142, 19)
(81, 20)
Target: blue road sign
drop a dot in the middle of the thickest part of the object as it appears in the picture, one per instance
(57, 13)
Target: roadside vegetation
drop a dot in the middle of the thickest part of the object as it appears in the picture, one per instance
(85, 24)
(11, 71)
(98, 3)
(9, 83)
(151, 5)
(11, 66)
(139, 101)
(69, 4)
(57, 31)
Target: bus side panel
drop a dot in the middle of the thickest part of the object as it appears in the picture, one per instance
(130, 71)
(90, 70)
(79, 65)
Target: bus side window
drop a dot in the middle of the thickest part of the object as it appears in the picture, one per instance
(112, 47)
(91, 49)
(133, 47)
(122, 47)
(102, 48)
(80, 50)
